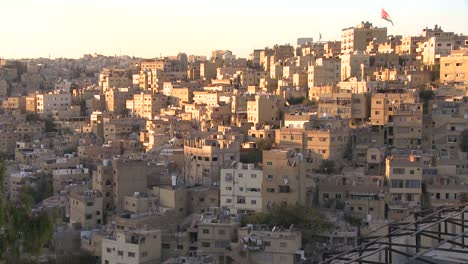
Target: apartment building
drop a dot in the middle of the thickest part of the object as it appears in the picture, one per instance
(241, 188)
(86, 208)
(404, 174)
(53, 101)
(114, 78)
(454, 68)
(324, 72)
(116, 99)
(259, 245)
(204, 158)
(383, 104)
(64, 177)
(102, 181)
(15, 103)
(265, 109)
(146, 105)
(354, 65)
(132, 247)
(357, 38)
(130, 176)
(283, 178)
(214, 234)
(344, 105)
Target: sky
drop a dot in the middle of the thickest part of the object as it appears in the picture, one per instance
(151, 28)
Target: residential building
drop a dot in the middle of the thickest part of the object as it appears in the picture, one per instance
(241, 188)
(132, 247)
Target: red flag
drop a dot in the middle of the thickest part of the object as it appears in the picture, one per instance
(386, 16)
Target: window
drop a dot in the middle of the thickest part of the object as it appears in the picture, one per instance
(206, 231)
(108, 250)
(144, 254)
(269, 177)
(253, 176)
(413, 184)
(283, 244)
(271, 190)
(267, 243)
(398, 171)
(373, 157)
(206, 244)
(447, 196)
(165, 246)
(221, 232)
(131, 254)
(240, 175)
(228, 200)
(397, 183)
(269, 163)
(437, 196)
(120, 253)
(253, 202)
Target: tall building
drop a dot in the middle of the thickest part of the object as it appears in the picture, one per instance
(204, 158)
(283, 178)
(357, 38)
(146, 105)
(241, 188)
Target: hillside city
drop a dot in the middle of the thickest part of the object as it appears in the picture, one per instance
(348, 151)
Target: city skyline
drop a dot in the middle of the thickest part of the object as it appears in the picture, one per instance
(146, 29)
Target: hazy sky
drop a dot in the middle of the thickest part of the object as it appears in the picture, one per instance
(148, 28)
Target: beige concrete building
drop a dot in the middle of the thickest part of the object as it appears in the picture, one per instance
(383, 104)
(116, 99)
(103, 182)
(146, 105)
(241, 188)
(283, 178)
(345, 105)
(132, 176)
(265, 109)
(86, 209)
(214, 234)
(354, 65)
(454, 68)
(257, 245)
(404, 174)
(204, 159)
(357, 38)
(132, 247)
(324, 72)
(140, 203)
(114, 78)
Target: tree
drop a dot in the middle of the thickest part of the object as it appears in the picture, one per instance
(426, 96)
(327, 167)
(23, 231)
(296, 100)
(464, 141)
(285, 215)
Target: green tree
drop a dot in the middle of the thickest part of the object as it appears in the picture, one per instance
(23, 231)
(426, 96)
(296, 100)
(464, 141)
(327, 167)
(301, 217)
